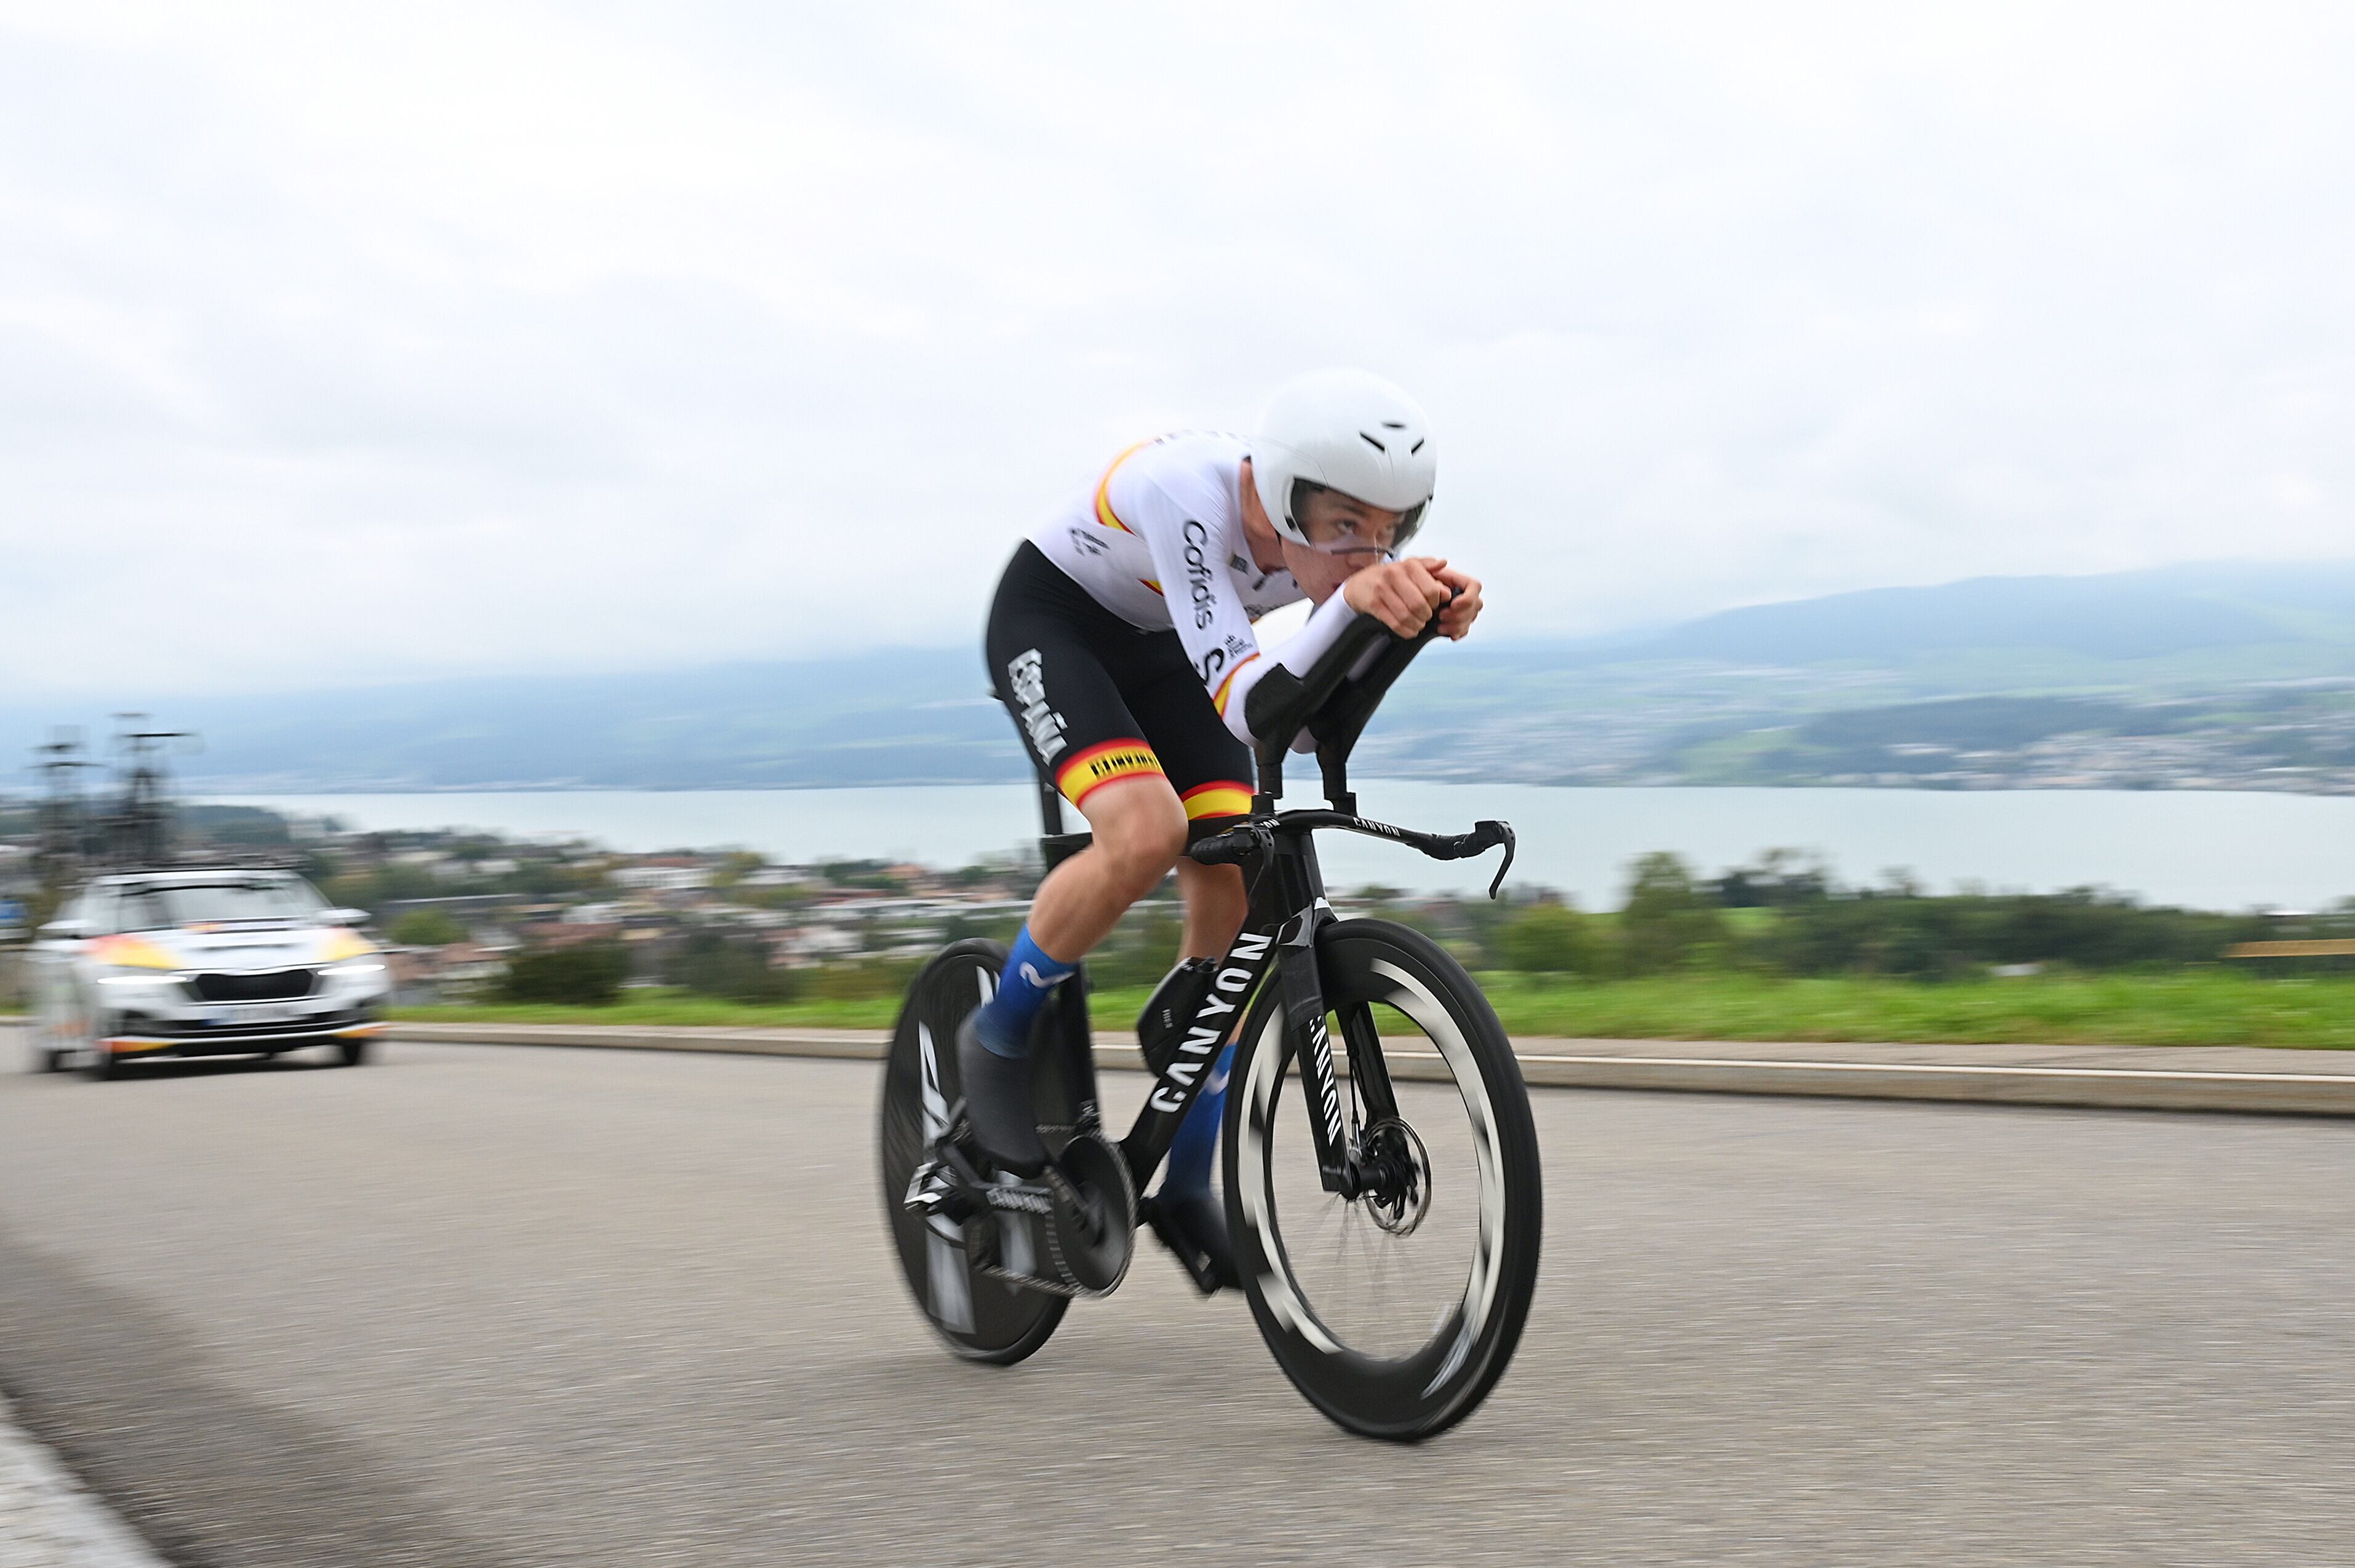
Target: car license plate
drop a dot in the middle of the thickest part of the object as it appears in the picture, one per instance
(250, 1012)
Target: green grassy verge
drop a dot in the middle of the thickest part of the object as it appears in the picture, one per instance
(661, 1008)
(2184, 1008)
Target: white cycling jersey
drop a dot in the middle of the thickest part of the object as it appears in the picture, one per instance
(1160, 542)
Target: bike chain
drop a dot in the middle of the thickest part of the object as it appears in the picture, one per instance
(1059, 1187)
(1065, 1287)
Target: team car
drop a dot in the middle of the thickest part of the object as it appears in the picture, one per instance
(214, 963)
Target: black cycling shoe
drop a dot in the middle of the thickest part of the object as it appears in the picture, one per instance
(998, 1102)
(1195, 1228)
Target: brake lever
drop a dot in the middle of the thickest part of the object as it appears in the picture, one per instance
(1486, 835)
(1500, 833)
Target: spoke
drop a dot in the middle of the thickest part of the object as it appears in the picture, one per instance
(1377, 1291)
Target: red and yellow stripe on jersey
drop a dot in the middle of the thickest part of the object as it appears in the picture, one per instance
(1103, 764)
(1218, 797)
(1104, 514)
(1218, 697)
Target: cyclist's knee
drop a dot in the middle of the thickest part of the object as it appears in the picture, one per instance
(1141, 835)
(1146, 853)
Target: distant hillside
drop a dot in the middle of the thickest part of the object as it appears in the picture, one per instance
(2131, 618)
(1659, 707)
(2264, 738)
(1628, 709)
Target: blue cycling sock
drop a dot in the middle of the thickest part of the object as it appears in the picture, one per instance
(1197, 1135)
(1004, 1022)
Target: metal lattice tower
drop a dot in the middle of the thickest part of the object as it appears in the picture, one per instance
(64, 822)
(139, 829)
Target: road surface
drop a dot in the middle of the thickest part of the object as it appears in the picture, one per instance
(483, 1306)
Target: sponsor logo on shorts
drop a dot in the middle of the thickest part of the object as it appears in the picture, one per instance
(1103, 764)
(1041, 722)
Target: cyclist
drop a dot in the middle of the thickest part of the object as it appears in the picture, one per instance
(1121, 640)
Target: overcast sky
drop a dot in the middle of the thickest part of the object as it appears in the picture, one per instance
(350, 344)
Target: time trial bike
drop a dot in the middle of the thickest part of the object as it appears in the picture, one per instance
(1382, 1199)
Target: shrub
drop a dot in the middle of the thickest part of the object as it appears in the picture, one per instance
(589, 974)
(426, 928)
(1897, 932)
(736, 968)
(864, 979)
(1547, 938)
(1140, 948)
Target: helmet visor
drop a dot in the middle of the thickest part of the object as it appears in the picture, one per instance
(1342, 525)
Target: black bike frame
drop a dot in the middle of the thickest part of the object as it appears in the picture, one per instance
(1288, 911)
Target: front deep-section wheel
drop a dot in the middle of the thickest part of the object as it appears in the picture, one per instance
(1394, 1309)
(978, 1317)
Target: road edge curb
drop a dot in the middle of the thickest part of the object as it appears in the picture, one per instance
(2092, 1088)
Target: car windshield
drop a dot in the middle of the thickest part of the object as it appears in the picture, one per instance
(215, 904)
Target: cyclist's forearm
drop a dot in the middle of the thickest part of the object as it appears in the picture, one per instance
(1295, 654)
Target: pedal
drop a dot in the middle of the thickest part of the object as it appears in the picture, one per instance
(929, 1189)
(1199, 1264)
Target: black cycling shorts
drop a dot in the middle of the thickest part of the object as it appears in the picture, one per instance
(1096, 699)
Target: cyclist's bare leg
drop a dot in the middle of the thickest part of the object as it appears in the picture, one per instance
(1216, 903)
(1140, 833)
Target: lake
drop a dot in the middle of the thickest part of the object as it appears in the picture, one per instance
(2217, 850)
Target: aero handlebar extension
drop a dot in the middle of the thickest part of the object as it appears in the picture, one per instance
(1333, 705)
(1328, 701)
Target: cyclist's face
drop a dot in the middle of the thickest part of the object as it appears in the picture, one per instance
(1342, 524)
(1345, 535)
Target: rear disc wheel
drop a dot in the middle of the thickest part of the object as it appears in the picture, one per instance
(978, 1316)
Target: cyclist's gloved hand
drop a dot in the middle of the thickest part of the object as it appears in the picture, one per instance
(1399, 594)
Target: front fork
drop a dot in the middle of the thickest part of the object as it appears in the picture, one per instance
(1339, 1160)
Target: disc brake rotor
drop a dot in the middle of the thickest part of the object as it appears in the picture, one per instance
(1399, 1195)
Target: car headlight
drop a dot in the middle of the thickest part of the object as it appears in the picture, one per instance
(363, 973)
(133, 985)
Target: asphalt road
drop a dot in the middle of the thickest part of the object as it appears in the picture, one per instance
(477, 1306)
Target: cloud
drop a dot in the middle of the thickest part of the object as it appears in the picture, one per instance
(355, 345)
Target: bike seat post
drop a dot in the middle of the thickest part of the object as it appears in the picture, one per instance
(1055, 845)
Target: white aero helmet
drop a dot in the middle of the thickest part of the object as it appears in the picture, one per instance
(1347, 430)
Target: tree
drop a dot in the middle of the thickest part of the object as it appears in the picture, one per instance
(1667, 920)
(735, 867)
(1547, 938)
